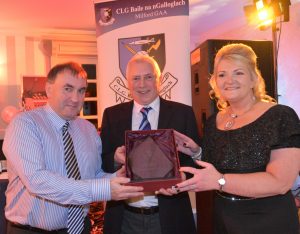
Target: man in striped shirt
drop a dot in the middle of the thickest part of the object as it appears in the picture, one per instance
(39, 192)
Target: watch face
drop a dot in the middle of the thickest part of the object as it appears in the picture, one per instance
(221, 181)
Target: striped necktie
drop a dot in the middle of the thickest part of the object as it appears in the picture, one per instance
(75, 213)
(145, 124)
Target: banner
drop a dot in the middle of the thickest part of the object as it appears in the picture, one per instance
(158, 28)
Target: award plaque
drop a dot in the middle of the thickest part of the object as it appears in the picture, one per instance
(152, 159)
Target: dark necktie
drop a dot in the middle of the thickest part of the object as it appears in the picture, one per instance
(145, 124)
(75, 213)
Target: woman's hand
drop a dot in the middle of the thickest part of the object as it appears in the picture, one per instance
(167, 192)
(185, 144)
(171, 191)
(204, 179)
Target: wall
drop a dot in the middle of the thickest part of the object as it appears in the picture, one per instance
(31, 53)
(288, 56)
(19, 55)
(25, 53)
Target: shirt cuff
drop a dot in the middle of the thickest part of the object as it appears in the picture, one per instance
(100, 189)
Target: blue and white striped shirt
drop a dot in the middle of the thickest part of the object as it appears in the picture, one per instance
(39, 189)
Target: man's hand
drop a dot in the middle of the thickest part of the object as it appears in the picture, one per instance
(120, 155)
(119, 191)
(121, 172)
(297, 201)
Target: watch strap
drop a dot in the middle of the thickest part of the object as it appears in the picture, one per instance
(221, 182)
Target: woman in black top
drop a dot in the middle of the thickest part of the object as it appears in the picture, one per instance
(251, 151)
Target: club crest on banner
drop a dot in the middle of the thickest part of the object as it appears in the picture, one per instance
(106, 17)
(154, 46)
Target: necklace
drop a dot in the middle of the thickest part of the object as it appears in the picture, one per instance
(231, 121)
(229, 124)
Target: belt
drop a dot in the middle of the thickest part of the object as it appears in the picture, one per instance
(38, 230)
(142, 210)
(233, 197)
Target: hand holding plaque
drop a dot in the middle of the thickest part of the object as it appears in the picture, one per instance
(151, 159)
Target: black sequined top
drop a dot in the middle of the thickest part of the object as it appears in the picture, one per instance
(247, 149)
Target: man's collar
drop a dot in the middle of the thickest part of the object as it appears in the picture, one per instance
(154, 105)
(56, 120)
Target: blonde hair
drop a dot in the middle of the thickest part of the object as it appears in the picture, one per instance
(246, 55)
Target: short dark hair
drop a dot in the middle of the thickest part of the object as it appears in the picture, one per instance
(74, 68)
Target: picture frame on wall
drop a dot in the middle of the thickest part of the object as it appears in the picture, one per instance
(34, 94)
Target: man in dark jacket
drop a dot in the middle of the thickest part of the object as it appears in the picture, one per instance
(150, 214)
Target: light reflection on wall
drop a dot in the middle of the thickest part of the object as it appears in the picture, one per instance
(3, 62)
(2, 73)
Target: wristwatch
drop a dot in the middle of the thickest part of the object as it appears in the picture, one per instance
(221, 182)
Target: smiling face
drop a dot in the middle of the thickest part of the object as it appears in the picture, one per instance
(66, 94)
(234, 80)
(142, 82)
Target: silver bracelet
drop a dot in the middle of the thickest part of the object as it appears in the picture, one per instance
(198, 155)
